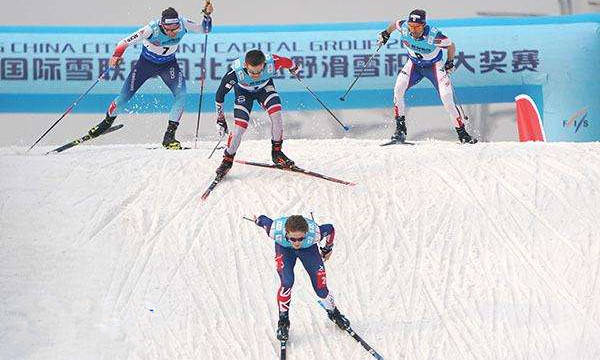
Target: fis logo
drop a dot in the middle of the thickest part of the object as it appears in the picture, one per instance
(578, 120)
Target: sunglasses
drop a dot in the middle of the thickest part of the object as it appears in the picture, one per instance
(173, 27)
(258, 72)
(294, 239)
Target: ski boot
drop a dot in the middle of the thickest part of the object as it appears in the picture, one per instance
(278, 156)
(102, 127)
(226, 164)
(400, 134)
(339, 319)
(464, 137)
(283, 326)
(169, 142)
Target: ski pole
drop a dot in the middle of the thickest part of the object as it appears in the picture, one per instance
(322, 104)
(207, 28)
(70, 107)
(203, 76)
(456, 100)
(216, 146)
(343, 98)
(247, 218)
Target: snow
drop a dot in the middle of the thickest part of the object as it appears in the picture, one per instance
(443, 251)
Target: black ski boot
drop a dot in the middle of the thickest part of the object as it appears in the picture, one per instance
(169, 141)
(400, 134)
(339, 319)
(278, 156)
(102, 127)
(283, 326)
(226, 164)
(464, 137)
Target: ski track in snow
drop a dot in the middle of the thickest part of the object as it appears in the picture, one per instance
(443, 251)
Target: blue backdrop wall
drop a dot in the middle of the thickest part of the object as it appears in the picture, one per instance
(555, 60)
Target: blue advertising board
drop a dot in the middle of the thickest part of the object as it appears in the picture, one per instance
(552, 59)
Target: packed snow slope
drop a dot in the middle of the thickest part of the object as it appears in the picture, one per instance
(443, 251)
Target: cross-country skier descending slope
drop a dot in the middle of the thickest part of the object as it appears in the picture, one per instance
(295, 238)
(161, 39)
(251, 78)
(424, 45)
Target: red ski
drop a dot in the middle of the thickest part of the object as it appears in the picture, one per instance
(296, 169)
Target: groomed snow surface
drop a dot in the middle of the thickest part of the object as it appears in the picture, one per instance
(443, 251)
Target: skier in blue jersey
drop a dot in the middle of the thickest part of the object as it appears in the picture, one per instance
(251, 78)
(161, 39)
(424, 44)
(297, 237)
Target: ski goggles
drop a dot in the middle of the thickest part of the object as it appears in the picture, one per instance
(292, 239)
(412, 26)
(255, 72)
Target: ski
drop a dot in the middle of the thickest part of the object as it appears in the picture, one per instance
(364, 344)
(212, 186)
(394, 142)
(297, 170)
(358, 338)
(84, 138)
(282, 351)
(162, 147)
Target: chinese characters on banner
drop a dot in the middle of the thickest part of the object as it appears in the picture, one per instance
(56, 69)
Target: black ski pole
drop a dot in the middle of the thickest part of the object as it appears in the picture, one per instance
(322, 104)
(343, 98)
(70, 108)
(207, 29)
(216, 146)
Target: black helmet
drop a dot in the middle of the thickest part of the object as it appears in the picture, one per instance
(169, 16)
(417, 16)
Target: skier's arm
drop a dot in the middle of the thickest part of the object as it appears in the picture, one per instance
(227, 83)
(206, 25)
(384, 36)
(139, 35)
(443, 42)
(264, 222)
(328, 233)
(194, 27)
(286, 63)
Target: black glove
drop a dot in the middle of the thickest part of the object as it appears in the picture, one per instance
(449, 66)
(325, 252)
(383, 38)
(221, 126)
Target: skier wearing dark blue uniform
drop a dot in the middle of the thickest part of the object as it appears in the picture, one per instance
(297, 237)
(160, 39)
(251, 78)
(424, 44)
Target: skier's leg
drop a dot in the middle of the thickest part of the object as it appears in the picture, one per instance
(270, 101)
(142, 71)
(443, 84)
(407, 77)
(313, 263)
(173, 77)
(241, 117)
(285, 259)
